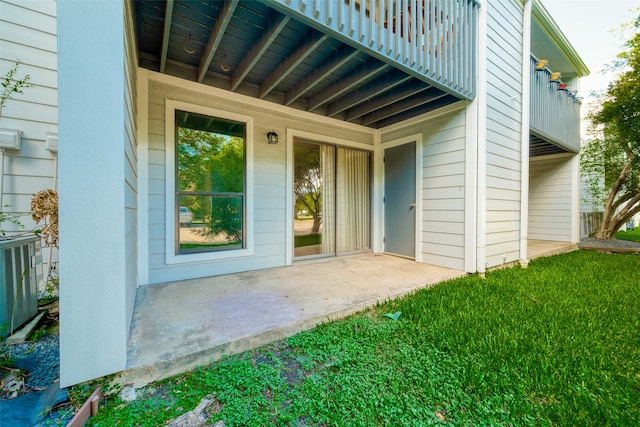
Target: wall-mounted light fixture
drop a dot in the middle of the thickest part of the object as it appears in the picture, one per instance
(562, 86)
(272, 137)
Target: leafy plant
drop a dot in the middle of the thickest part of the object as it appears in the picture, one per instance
(12, 85)
(38, 333)
(9, 217)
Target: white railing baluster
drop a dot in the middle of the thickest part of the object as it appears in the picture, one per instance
(352, 17)
(433, 38)
(361, 17)
(373, 34)
(413, 18)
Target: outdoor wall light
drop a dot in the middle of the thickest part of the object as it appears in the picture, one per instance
(272, 137)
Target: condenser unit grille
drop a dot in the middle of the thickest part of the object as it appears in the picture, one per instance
(18, 294)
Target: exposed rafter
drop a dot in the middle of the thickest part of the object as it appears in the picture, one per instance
(168, 14)
(439, 102)
(384, 84)
(334, 62)
(257, 51)
(216, 37)
(367, 71)
(426, 108)
(274, 55)
(400, 106)
(311, 43)
(388, 98)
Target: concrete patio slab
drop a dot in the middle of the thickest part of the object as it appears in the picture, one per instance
(542, 248)
(178, 326)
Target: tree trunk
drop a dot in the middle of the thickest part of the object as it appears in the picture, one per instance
(608, 225)
(316, 223)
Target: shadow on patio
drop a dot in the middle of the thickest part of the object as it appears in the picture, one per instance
(177, 326)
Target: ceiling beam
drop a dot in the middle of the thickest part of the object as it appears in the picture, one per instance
(386, 99)
(404, 105)
(387, 82)
(365, 72)
(339, 58)
(168, 15)
(258, 50)
(216, 37)
(311, 43)
(441, 101)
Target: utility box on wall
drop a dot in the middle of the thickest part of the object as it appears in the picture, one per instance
(20, 269)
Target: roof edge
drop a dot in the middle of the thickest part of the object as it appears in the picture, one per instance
(549, 26)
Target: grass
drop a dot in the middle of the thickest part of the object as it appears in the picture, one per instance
(307, 240)
(555, 344)
(633, 235)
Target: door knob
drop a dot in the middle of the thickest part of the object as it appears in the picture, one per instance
(412, 205)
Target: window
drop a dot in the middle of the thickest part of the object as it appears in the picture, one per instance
(210, 183)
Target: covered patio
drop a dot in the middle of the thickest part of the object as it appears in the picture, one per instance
(180, 325)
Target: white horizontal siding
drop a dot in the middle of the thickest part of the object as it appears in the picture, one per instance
(130, 164)
(270, 178)
(28, 34)
(550, 199)
(504, 118)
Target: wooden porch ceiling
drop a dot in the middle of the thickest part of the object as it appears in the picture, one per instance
(250, 48)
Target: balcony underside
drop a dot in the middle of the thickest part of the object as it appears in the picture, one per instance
(542, 147)
(252, 49)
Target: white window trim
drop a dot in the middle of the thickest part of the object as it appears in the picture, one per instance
(170, 179)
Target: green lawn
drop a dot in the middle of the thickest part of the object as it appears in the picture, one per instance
(307, 240)
(629, 235)
(555, 344)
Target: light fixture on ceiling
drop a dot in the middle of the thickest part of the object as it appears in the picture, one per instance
(184, 45)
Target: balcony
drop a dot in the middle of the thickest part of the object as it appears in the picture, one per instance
(554, 116)
(368, 62)
(432, 40)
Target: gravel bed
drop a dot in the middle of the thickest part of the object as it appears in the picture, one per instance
(608, 243)
(41, 359)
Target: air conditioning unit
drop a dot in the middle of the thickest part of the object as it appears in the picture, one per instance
(20, 270)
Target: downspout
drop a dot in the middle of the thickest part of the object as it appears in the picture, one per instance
(524, 149)
(481, 157)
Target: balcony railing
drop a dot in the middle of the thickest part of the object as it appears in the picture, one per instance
(555, 112)
(433, 40)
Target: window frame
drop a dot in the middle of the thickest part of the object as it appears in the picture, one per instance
(172, 255)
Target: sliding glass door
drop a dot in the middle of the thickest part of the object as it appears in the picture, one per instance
(332, 199)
